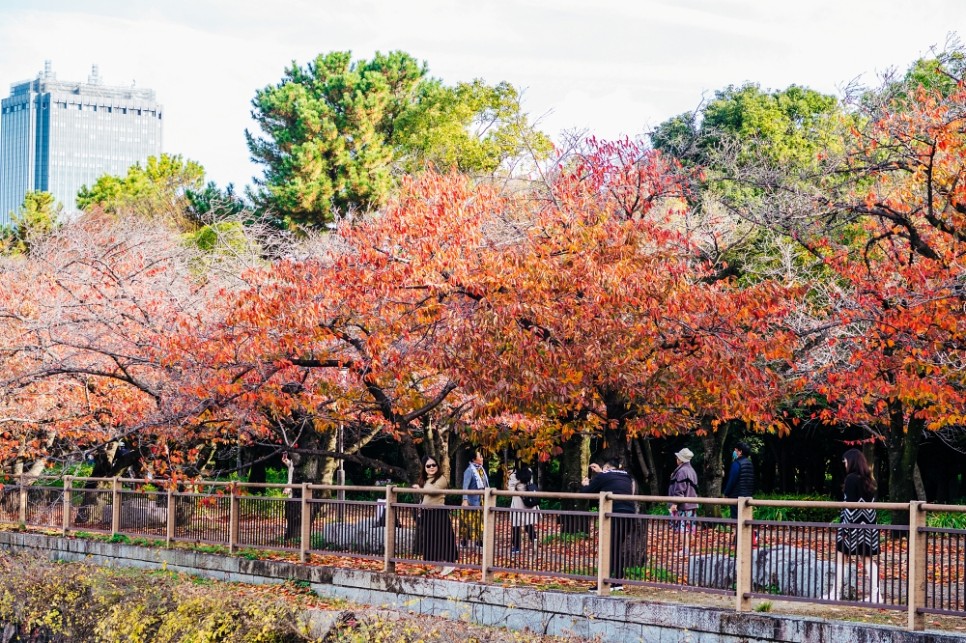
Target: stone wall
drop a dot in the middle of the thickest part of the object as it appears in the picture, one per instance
(618, 618)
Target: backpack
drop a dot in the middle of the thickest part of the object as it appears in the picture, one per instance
(530, 501)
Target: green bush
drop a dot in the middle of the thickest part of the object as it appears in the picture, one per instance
(947, 520)
(795, 514)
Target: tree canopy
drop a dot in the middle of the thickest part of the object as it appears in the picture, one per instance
(336, 132)
(39, 216)
(158, 189)
(600, 302)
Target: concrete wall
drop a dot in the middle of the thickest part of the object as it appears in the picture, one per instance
(622, 619)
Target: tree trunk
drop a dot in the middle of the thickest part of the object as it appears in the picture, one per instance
(411, 456)
(917, 482)
(713, 472)
(437, 444)
(903, 445)
(614, 446)
(307, 469)
(645, 456)
(574, 461)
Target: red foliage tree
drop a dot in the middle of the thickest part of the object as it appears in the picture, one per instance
(895, 361)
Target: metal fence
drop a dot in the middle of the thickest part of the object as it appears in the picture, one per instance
(919, 567)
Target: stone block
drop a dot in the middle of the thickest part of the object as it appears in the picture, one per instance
(524, 598)
(366, 536)
(566, 625)
(792, 571)
(136, 514)
(564, 603)
(605, 630)
(491, 595)
(711, 571)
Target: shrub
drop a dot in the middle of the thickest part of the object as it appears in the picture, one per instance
(795, 514)
(947, 520)
(82, 603)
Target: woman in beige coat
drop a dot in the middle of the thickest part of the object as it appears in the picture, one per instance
(437, 540)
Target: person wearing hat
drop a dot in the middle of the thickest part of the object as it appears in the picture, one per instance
(684, 484)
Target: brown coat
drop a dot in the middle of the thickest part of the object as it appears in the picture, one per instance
(435, 498)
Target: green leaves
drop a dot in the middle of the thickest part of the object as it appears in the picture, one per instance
(38, 218)
(337, 133)
(156, 190)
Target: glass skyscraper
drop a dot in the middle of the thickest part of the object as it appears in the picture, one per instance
(57, 136)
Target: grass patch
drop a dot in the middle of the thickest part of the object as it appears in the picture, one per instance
(564, 539)
(650, 573)
(249, 554)
(211, 549)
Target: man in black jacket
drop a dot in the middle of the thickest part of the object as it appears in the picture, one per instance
(612, 478)
(741, 476)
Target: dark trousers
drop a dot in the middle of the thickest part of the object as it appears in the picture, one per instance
(620, 558)
(531, 534)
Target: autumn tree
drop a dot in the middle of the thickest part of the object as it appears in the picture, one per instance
(558, 312)
(745, 141)
(599, 317)
(902, 307)
(86, 321)
(877, 219)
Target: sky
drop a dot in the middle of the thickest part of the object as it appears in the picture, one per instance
(610, 68)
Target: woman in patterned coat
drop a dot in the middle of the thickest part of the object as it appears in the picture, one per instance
(863, 541)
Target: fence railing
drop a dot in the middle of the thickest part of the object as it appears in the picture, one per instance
(919, 567)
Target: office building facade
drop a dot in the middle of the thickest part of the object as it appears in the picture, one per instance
(57, 136)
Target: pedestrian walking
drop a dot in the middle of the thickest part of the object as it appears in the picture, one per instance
(684, 484)
(858, 540)
(471, 525)
(524, 516)
(741, 476)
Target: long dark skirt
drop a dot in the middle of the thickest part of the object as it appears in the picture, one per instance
(437, 538)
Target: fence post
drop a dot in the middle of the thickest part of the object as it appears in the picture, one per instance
(389, 566)
(916, 592)
(115, 506)
(65, 522)
(743, 555)
(489, 533)
(233, 518)
(605, 505)
(172, 517)
(306, 523)
(23, 499)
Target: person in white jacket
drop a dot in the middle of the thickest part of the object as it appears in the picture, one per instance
(522, 517)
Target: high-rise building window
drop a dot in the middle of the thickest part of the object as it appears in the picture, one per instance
(64, 148)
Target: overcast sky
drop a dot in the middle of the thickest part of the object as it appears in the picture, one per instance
(611, 67)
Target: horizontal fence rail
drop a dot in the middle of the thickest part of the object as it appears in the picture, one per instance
(795, 551)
